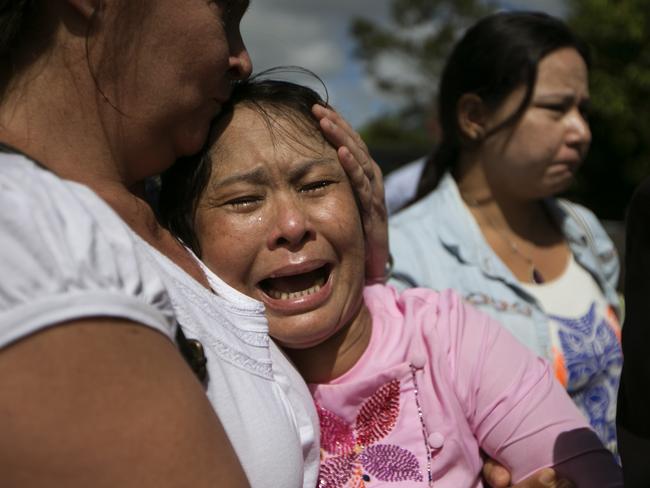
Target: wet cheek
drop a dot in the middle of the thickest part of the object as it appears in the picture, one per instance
(228, 249)
(242, 237)
(342, 217)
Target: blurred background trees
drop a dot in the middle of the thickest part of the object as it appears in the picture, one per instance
(405, 59)
(619, 35)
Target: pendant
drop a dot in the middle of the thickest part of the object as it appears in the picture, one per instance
(537, 276)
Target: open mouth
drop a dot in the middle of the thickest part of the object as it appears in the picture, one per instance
(295, 286)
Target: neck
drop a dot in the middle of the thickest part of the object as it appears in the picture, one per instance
(55, 113)
(66, 141)
(504, 210)
(48, 114)
(336, 355)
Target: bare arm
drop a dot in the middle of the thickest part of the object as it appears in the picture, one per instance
(106, 403)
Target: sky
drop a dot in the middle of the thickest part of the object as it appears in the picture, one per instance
(314, 34)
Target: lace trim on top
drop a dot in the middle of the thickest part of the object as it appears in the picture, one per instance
(256, 338)
(191, 295)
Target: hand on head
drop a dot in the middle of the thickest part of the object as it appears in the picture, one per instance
(275, 178)
(367, 181)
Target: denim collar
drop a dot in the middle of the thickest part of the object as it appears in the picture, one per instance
(460, 234)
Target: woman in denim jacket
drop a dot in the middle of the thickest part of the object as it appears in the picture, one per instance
(485, 222)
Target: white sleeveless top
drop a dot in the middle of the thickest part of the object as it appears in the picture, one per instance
(585, 336)
(65, 254)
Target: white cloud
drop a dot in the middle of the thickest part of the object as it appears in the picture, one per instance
(324, 57)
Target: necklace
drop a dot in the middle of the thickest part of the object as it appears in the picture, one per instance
(535, 275)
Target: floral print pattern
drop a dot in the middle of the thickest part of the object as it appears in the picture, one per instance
(351, 455)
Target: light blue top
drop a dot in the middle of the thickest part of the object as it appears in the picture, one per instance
(438, 244)
(401, 185)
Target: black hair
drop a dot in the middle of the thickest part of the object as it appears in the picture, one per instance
(183, 184)
(496, 55)
(14, 16)
(17, 26)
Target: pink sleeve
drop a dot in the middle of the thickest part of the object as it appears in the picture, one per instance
(521, 416)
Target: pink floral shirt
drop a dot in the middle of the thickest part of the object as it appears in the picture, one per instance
(438, 383)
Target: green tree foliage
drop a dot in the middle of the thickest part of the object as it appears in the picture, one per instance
(417, 39)
(420, 35)
(395, 139)
(618, 33)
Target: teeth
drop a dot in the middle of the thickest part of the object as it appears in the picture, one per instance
(282, 295)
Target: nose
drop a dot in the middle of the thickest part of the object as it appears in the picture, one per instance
(292, 226)
(240, 62)
(579, 133)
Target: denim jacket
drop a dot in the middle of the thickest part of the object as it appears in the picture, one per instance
(436, 243)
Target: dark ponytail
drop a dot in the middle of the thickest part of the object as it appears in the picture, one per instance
(14, 15)
(497, 55)
(439, 162)
(17, 25)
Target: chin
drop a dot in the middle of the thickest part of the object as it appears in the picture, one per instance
(297, 343)
(300, 335)
(561, 176)
(556, 183)
(562, 185)
(294, 346)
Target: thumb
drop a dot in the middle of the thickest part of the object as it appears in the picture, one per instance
(544, 478)
(548, 477)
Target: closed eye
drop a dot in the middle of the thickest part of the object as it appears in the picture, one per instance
(244, 203)
(556, 107)
(316, 186)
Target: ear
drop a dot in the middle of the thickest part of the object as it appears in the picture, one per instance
(85, 8)
(472, 117)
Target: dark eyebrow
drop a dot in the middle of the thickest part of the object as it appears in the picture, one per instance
(259, 176)
(563, 97)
